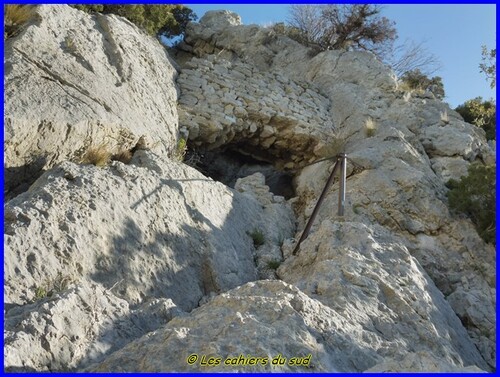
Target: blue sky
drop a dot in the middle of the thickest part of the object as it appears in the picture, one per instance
(452, 32)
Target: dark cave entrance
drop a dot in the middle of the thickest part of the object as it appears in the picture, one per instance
(228, 164)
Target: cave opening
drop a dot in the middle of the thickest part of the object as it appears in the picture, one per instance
(227, 164)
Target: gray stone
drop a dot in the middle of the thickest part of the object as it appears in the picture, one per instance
(154, 228)
(74, 80)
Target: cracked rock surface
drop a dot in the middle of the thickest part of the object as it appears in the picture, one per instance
(134, 267)
(75, 80)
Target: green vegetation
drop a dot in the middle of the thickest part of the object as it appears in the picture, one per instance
(180, 151)
(274, 264)
(50, 287)
(341, 27)
(474, 195)
(15, 17)
(480, 113)
(258, 238)
(158, 20)
(416, 80)
(40, 293)
(489, 65)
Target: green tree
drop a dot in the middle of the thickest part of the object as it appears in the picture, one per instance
(158, 20)
(474, 195)
(489, 65)
(480, 113)
(342, 27)
(415, 79)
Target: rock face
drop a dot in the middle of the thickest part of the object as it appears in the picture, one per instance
(369, 278)
(74, 81)
(81, 324)
(416, 143)
(260, 320)
(136, 267)
(151, 229)
(265, 114)
(417, 362)
(154, 228)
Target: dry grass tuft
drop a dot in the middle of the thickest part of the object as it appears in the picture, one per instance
(98, 156)
(370, 127)
(15, 17)
(444, 117)
(124, 156)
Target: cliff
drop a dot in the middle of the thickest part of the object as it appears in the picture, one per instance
(137, 265)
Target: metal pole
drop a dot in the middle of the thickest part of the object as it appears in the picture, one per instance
(342, 183)
(305, 233)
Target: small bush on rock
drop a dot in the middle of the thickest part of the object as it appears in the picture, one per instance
(180, 151)
(480, 113)
(474, 195)
(98, 156)
(274, 264)
(417, 81)
(40, 293)
(370, 127)
(258, 238)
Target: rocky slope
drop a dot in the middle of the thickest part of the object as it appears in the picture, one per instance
(138, 266)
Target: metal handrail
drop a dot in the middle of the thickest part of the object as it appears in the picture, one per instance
(340, 163)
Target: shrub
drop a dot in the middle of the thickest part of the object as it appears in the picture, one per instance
(474, 195)
(180, 151)
(50, 287)
(40, 293)
(416, 80)
(480, 113)
(166, 20)
(258, 238)
(98, 156)
(342, 26)
(274, 264)
(489, 65)
(15, 17)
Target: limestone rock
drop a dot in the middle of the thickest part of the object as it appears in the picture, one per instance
(268, 255)
(400, 191)
(73, 81)
(398, 284)
(220, 19)
(448, 168)
(421, 362)
(260, 319)
(367, 275)
(79, 324)
(266, 114)
(450, 140)
(155, 228)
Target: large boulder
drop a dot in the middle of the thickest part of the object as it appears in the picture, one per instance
(366, 274)
(154, 228)
(73, 81)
